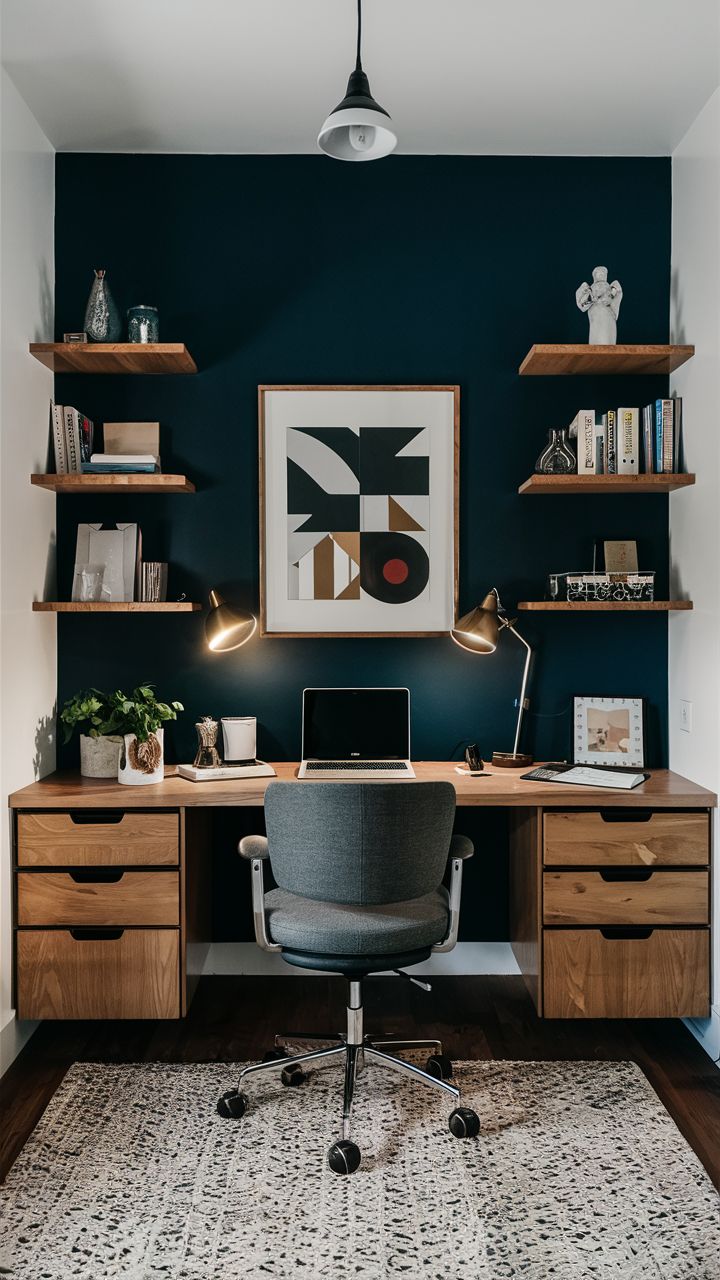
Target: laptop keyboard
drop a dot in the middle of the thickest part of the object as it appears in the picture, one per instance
(364, 766)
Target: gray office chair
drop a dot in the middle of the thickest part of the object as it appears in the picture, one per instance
(359, 869)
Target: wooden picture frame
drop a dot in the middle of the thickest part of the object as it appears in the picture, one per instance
(440, 418)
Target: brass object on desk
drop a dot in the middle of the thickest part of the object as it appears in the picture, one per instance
(479, 631)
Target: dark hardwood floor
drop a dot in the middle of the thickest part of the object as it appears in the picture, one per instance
(235, 1019)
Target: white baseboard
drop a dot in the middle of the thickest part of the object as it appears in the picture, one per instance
(14, 1036)
(707, 1031)
(467, 958)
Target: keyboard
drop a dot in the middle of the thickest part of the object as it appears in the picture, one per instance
(357, 766)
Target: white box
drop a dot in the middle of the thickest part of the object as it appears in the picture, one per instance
(583, 425)
(117, 549)
(628, 442)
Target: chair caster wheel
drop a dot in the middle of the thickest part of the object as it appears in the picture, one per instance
(464, 1123)
(292, 1076)
(232, 1105)
(344, 1156)
(274, 1055)
(440, 1066)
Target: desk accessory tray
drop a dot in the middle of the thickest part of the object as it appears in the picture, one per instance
(226, 771)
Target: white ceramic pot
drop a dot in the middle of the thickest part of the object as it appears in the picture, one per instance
(141, 762)
(239, 735)
(99, 757)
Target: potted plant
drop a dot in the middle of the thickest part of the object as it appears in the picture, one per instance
(91, 713)
(140, 718)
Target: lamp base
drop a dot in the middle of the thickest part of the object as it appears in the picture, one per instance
(511, 760)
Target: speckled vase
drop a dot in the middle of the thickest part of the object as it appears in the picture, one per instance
(102, 318)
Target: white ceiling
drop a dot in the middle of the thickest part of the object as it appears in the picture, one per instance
(502, 77)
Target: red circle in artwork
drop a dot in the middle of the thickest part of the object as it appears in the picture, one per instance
(395, 571)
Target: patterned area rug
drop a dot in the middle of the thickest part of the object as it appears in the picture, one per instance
(578, 1173)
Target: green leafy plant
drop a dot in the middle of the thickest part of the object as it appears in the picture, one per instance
(90, 712)
(141, 713)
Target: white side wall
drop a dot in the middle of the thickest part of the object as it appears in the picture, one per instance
(695, 515)
(27, 515)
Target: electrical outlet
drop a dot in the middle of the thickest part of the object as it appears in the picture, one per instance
(686, 715)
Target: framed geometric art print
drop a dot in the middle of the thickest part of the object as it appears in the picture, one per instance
(358, 510)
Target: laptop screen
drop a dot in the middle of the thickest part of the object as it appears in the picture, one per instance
(356, 724)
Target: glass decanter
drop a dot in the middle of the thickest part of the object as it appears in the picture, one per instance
(557, 458)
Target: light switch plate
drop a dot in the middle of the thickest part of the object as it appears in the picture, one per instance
(686, 709)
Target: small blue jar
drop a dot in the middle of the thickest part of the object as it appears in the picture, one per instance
(143, 324)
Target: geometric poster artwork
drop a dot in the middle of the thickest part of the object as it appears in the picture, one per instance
(358, 508)
(358, 522)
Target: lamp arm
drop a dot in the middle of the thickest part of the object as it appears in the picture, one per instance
(523, 689)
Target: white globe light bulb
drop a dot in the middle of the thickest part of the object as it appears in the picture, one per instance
(362, 136)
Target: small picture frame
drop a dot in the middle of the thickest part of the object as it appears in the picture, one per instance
(608, 731)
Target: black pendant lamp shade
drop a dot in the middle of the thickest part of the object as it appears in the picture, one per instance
(359, 128)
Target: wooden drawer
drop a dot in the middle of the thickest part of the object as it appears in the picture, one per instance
(98, 973)
(640, 838)
(588, 973)
(621, 896)
(98, 897)
(87, 839)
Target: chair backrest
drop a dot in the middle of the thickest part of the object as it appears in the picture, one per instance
(359, 843)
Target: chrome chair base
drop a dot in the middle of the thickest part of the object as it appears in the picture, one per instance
(358, 1051)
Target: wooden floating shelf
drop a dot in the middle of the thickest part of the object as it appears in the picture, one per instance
(133, 482)
(114, 357)
(605, 606)
(666, 483)
(115, 606)
(544, 359)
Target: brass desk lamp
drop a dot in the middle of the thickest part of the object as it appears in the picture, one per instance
(479, 631)
(226, 626)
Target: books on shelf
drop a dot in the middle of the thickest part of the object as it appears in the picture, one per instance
(72, 436)
(626, 441)
(121, 463)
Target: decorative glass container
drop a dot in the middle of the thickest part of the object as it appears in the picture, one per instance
(143, 324)
(102, 318)
(557, 458)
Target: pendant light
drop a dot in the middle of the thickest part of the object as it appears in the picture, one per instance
(358, 128)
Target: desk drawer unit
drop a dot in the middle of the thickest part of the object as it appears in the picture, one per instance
(98, 896)
(85, 838)
(98, 973)
(613, 919)
(626, 838)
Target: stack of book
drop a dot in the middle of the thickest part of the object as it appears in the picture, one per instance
(72, 437)
(128, 447)
(610, 443)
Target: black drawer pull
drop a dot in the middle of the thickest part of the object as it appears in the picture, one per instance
(626, 815)
(96, 817)
(97, 875)
(96, 935)
(637, 874)
(618, 932)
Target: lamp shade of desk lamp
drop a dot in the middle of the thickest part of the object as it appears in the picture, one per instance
(479, 632)
(227, 627)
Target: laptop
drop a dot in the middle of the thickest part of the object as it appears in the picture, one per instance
(356, 733)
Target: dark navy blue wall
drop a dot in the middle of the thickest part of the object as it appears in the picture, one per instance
(411, 270)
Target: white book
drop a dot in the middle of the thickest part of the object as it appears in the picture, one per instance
(226, 771)
(628, 442)
(125, 459)
(584, 424)
(72, 438)
(58, 438)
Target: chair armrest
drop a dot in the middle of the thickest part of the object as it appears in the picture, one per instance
(461, 847)
(253, 847)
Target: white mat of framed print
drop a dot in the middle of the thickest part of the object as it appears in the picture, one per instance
(609, 731)
(358, 510)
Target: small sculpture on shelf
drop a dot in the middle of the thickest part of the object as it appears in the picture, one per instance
(602, 302)
(557, 458)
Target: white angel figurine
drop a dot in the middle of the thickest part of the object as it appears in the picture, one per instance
(602, 301)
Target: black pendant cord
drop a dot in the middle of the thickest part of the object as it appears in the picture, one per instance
(358, 62)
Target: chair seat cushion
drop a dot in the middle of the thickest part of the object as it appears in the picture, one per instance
(304, 924)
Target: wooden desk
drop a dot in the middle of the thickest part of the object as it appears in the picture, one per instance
(609, 891)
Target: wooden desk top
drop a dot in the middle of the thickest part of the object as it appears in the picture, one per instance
(502, 788)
